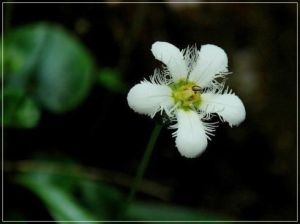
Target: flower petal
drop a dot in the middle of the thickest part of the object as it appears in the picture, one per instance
(148, 98)
(191, 139)
(172, 58)
(228, 106)
(212, 60)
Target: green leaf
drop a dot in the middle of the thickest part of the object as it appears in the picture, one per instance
(19, 110)
(60, 203)
(22, 48)
(49, 64)
(64, 72)
(28, 113)
(67, 193)
(162, 212)
(111, 80)
(100, 198)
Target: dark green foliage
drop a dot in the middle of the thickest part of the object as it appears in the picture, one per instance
(44, 67)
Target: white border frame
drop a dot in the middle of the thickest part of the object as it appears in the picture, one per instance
(208, 221)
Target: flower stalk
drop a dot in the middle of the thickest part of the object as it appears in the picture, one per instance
(142, 166)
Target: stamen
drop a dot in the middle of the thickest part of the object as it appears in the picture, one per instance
(196, 88)
(187, 95)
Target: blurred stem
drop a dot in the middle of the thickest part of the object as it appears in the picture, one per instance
(143, 165)
(74, 170)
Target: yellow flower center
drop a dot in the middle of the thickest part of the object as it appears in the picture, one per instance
(186, 94)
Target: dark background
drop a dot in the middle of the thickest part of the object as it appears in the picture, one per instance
(246, 173)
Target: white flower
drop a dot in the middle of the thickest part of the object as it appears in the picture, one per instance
(190, 90)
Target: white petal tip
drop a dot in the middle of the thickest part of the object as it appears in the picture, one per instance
(172, 57)
(239, 115)
(159, 45)
(228, 106)
(190, 151)
(191, 139)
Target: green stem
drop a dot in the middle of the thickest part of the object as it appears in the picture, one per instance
(142, 166)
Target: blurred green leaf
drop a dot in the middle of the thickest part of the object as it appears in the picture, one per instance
(48, 64)
(64, 72)
(28, 113)
(101, 199)
(163, 212)
(69, 195)
(21, 49)
(111, 80)
(60, 203)
(20, 111)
